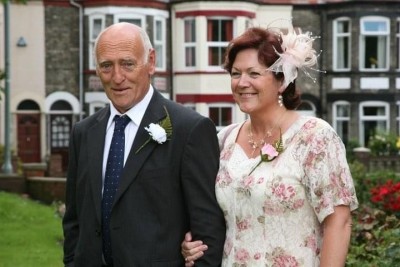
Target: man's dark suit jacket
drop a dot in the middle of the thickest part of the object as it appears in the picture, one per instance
(165, 190)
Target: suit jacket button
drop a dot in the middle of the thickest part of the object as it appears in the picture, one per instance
(98, 232)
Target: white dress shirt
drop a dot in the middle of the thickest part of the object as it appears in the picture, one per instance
(136, 114)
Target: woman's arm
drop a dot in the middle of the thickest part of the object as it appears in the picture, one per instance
(336, 237)
(192, 250)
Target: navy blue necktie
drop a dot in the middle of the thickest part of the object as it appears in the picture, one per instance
(115, 164)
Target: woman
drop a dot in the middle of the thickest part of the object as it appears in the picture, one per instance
(284, 184)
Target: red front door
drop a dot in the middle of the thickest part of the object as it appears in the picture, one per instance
(29, 137)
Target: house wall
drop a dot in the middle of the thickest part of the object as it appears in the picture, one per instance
(27, 64)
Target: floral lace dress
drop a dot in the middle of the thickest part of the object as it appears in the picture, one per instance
(274, 215)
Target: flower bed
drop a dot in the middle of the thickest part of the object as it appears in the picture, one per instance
(375, 240)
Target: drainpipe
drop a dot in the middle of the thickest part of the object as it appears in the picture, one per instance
(7, 166)
(79, 6)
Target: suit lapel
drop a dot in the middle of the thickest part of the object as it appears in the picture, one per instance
(154, 113)
(96, 139)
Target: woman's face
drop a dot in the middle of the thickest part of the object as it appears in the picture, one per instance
(254, 88)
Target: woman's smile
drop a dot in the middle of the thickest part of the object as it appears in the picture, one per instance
(247, 95)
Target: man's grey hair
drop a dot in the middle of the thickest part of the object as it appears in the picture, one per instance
(143, 36)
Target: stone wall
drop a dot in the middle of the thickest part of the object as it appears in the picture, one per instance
(62, 49)
(377, 163)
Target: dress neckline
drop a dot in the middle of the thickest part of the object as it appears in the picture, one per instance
(286, 136)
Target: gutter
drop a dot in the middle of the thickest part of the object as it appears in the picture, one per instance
(80, 8)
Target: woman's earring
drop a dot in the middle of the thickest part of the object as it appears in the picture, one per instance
(280, 100)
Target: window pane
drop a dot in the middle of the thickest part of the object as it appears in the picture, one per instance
(398, 45)
(374, 43)
(221, 116)
(159, 35)
(226, 116)
(219, 32)
(343, 27)
(375, 52)
(213, 114)
(190, 57)
(159, 52)
(375, 26)
(216, 56)
(190, 31)
(374, 111)
(343, 111)
(213, 31)
(342, 53)
(137, 22)
(60, 131)
(97, 27)
(226, 30)
(343, 131)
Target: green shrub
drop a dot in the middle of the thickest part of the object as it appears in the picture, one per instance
(382, 143)
(375, 240)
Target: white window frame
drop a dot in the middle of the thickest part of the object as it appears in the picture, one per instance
(398, 118)
(123, 16)
(222, 45)
(94, 106)
(365, 33)
(337, 37)
(191, 44)
(222, 105)
(398, 43)
(191, 106)
(308, 112)
(379, 118)
(336, 119)
(159, 44)
(92, 39)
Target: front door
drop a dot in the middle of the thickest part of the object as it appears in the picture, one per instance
(60, 129)
(29, 137)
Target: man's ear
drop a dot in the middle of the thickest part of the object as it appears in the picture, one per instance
(151, 61)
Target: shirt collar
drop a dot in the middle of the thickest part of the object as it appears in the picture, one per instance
(136, 113)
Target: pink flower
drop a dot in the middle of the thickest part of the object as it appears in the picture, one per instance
(285, 261)
(269, 151)
(242, 256)
(257, 256)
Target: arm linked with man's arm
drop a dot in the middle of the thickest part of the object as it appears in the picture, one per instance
(200, 167)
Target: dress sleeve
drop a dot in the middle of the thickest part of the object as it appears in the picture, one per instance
(327, 175)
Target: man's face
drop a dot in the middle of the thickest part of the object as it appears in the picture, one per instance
(122, 67)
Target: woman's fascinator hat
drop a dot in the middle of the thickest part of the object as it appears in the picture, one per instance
(298, 54)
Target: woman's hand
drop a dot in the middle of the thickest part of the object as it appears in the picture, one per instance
(192, 250)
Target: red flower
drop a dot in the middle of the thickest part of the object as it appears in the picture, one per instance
(387, 196)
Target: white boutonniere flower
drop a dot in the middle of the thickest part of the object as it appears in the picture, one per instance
(159, 132)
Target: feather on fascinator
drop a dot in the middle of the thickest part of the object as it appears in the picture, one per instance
(298, 54)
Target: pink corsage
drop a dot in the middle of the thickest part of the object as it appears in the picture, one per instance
(269, 152)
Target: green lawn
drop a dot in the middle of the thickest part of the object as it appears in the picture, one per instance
(30, 233)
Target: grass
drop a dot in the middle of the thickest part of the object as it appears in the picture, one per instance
(30, 233)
